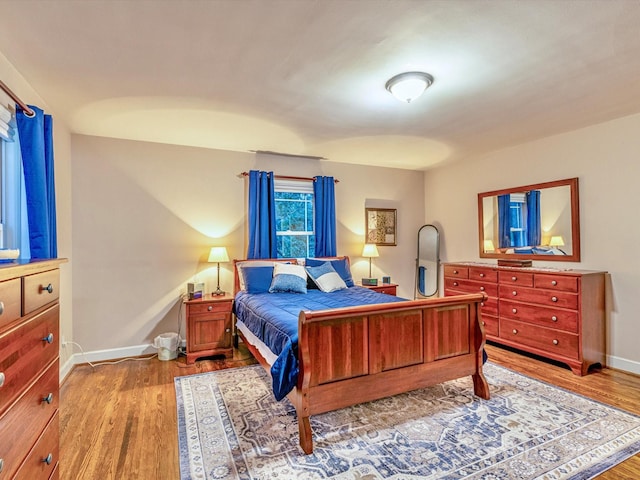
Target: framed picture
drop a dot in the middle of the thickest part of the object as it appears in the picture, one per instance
(380, 226)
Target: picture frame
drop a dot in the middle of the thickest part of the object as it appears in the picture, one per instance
(380, 226)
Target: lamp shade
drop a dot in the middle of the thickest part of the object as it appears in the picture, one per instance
(408, 86)
(370, 250)
(218, 255)
(556, 241)
(488, 246)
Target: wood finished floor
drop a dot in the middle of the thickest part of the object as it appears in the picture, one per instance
(119, 421)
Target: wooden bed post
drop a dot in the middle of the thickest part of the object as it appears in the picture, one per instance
(480, 384)
(302, 394)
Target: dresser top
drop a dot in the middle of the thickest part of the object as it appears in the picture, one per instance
(19, 268)
(532, 269)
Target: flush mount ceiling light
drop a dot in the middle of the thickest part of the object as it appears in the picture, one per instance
(408, 86)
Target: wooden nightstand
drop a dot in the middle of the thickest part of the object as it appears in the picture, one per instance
(388, 288)
(209, 327)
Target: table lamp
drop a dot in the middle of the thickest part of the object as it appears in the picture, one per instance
(218, 255)
(556, 242)
(369, 251)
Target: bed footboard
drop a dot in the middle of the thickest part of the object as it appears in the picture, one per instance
(358, 354)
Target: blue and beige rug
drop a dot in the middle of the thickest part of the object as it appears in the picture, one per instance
(231, 427)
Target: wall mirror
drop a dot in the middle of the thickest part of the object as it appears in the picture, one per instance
(427, 262)
(535, 222)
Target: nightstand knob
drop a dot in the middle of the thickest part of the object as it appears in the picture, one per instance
(515, 332)
(554, 283)
(554, 318)
(48, 338)
(48, 398)
(554, 299)
(227, 330)
(209, 308)
(555, 342)
(1, 379)
(48, 459)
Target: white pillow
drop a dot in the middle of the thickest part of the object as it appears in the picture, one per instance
(326, 278)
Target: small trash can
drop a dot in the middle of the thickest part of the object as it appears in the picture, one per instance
(167, 345)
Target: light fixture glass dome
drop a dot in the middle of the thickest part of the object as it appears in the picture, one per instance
(408, 86)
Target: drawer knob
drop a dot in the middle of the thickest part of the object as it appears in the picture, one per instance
(48, 288)
(555, 342)
(482, 275)
(514, 310)
(513, 279)
(482, 289)
(209, 308)
(1, 308)
(554, 283)
(48, 338)
(554, 299)
(514, 293)
(1, 464)
(48, 459)
(482, 323)
(455, 284)
(482, 304)
(515, 332)
(554, 318)
(48, 399)
(1, 379)
(227, 330)
(455, 272)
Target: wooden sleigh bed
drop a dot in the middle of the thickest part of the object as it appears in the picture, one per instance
(352, 355)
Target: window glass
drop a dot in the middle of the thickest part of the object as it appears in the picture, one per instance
(295, 232)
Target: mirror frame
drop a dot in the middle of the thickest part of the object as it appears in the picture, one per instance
(575, 222)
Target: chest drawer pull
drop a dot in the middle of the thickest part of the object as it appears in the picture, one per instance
(514, 310)
(555, 342)
(513, 279)
(554, 283)
(1, 465)
(554, 299)
(455, 284)
(209, 308)
(554, 318)
(515, 332)
(48, 288)
(482, 304)
(482, 322)
(1, 379)
(482, 275)
(48, 459)
(482, 289)
(1, 308)
(48, 398)
(455, 272)
(514, 293)
(48, 338)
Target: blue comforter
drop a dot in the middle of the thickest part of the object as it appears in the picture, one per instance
(273, 318)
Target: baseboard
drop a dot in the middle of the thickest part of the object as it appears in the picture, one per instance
(623, 364)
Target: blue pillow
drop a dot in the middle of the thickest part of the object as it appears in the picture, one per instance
(340, 265)
(257, 279)
(326, 278)
(288, 278)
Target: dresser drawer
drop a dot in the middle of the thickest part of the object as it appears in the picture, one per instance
(483, 274)
(43, 458)
(40, 289)
(456, 271)
(25, 353)
(547, 317)
(469, 286)
(516, 278)
(490, 306)
(561, 283)
(490, 324)
(553, 341)
(542, 297)
(23, 424)
(211, 307)
(10, 301)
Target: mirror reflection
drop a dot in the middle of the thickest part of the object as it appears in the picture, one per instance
(427, 262)
(531, 221)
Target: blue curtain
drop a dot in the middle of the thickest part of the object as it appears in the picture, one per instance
(504, 221)
(534, 230)
(325, 216)
(262, 216)
(36, 146)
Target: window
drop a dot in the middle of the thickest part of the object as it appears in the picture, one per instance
(518, 220)
(295, 232)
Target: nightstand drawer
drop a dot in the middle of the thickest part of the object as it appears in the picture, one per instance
(209, 307)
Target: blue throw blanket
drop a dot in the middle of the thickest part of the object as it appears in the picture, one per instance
(273, 318)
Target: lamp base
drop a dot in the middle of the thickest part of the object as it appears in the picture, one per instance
(370, 282)
(217, 293)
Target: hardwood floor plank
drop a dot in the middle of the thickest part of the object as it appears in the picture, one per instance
(119, 421)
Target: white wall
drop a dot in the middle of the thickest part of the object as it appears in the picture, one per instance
(605, 159)
(62, 161)
(146, 214)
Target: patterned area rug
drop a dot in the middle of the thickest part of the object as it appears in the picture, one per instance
(231, 427)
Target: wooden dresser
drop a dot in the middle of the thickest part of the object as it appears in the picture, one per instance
(29, 371)
(554, 313)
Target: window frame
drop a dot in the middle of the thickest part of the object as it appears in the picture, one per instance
(302, 187)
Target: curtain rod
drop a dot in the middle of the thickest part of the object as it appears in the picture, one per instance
(285, 177)
(28, 112)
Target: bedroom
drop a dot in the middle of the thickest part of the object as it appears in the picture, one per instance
(136, 218)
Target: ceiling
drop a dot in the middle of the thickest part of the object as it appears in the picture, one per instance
(306, 77)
